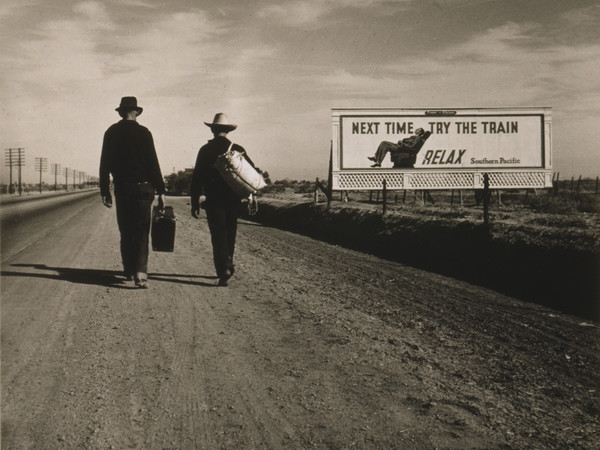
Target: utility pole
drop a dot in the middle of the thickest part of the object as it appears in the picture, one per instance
(20, 163)
(16, 158)
(56, 172)
(74, 173)
(8, 161)
(66, 178)
(41, 165)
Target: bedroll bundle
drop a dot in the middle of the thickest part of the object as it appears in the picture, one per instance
(239, 174)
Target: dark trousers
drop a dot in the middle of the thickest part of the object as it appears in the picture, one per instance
(134, 202)
(383, 149)
(222, 223)
(402, 157)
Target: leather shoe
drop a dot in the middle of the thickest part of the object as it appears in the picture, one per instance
(226, 276)
(141, 281)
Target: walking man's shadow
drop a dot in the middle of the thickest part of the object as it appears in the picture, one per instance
(100, 277)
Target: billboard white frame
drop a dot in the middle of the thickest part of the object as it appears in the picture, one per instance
(535, 150)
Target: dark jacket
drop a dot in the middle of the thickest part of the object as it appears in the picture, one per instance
(206, 179)
(128, 154)
(414, 142)
(405, 156)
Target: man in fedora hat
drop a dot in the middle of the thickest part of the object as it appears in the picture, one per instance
(222, 205)
(128, 154)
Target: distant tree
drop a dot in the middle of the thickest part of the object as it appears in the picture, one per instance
(265, 175)
(179, 183)
(298, 187)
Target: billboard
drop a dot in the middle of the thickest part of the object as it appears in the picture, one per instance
(441, 148)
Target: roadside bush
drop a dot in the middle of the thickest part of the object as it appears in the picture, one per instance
(281, 186)
(588, 203)
(564, 203)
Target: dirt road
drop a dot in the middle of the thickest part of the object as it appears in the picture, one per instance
(311, 345)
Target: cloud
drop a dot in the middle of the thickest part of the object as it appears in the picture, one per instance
(309, 13)
(174, 53)
(66, 75)
(498, 65)
(186, 64)
(137, 4)
(169, 49)
(94, 13)
(296, 13)
(58, 54)
(583, 17)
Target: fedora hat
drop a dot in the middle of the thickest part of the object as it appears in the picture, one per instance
(221, 121)
(129, 103)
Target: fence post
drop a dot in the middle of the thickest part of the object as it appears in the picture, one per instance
(572, 184)
(427, 195)
(327, 190)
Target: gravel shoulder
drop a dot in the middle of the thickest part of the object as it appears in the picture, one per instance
(311, 345)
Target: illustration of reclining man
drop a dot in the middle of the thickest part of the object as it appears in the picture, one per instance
(404, 153)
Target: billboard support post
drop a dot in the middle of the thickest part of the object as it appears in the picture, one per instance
(486, 199)
(384, 195)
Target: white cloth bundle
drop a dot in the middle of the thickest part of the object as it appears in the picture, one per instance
(239, 174)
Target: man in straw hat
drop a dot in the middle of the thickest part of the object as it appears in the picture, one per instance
(222, 205)
(128, 154)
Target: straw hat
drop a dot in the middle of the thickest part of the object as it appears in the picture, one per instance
(221, 121)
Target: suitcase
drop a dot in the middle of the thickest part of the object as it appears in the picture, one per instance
(163, 229)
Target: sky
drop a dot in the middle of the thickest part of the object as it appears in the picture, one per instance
(277, 68)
